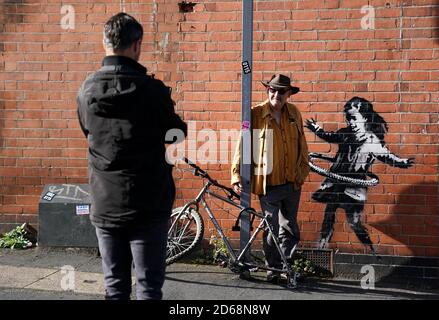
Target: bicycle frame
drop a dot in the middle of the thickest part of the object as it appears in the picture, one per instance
(239, 260)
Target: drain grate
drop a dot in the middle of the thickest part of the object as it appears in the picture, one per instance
(323, 258)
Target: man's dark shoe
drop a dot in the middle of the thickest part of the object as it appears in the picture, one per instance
(245, 275)
(273, 278)
(276, 278)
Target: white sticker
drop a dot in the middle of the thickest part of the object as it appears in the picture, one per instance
(83, 209)
(49, 196)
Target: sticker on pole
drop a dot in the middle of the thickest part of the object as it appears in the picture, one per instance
(246, 67)
(82, 209)
(245, 125)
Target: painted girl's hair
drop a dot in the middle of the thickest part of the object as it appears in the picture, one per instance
(374, 122)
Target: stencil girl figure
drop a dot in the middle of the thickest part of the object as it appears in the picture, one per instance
(359, 144)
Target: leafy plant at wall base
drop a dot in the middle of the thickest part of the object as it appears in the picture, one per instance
(307, 268)
(304, 267)
(16, 239)
(220, 253)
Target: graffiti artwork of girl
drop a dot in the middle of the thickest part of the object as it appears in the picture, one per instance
(359, 144)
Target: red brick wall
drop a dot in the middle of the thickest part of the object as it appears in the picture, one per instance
(320, 44)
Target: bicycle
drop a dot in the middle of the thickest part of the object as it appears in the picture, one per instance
(187, 227)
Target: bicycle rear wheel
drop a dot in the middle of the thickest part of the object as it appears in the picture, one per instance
(184, 234)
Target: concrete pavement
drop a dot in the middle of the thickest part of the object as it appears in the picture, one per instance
(75, 274)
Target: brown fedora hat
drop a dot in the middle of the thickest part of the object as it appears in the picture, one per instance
(279, 81)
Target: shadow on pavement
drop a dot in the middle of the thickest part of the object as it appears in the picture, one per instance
(311, 286)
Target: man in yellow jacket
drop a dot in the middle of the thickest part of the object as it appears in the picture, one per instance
(279, 166)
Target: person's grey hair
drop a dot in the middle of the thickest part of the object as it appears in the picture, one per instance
(121, 31)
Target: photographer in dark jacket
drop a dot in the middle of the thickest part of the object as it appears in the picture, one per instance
(125, 114)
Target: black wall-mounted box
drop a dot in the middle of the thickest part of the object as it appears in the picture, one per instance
(63, 219)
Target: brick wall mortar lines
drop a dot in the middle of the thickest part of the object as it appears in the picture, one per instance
(321, 44)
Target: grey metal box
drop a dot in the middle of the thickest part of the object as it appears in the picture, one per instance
(63, 219)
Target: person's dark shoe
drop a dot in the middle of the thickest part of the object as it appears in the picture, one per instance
(277, 278)
(245, 275)
(273, 277)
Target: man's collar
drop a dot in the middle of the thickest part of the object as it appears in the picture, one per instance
(122, 60)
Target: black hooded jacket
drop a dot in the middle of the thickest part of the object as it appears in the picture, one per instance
(125, 114)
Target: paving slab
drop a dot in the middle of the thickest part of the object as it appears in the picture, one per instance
(36, 274)
(32, 294)
(20, 277)
(81, 282)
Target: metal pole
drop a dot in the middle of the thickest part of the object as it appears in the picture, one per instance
(246, 142)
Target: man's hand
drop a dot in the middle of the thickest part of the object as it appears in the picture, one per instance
(237, 187)
(312, 125)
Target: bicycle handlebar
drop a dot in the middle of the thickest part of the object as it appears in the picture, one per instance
(200, 172)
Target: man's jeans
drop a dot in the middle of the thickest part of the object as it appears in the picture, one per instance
(145, 245)
(281, 203)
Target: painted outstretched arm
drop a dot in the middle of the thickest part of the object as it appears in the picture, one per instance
(384, 155)
(331, 137)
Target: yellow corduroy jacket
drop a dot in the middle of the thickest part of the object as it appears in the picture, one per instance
(266, 148)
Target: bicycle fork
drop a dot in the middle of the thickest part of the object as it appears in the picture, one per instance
(291, 274)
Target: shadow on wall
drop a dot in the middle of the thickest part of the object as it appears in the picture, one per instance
(414, 223)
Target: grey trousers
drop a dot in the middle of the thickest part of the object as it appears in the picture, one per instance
(281, 204)
(145, 245)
